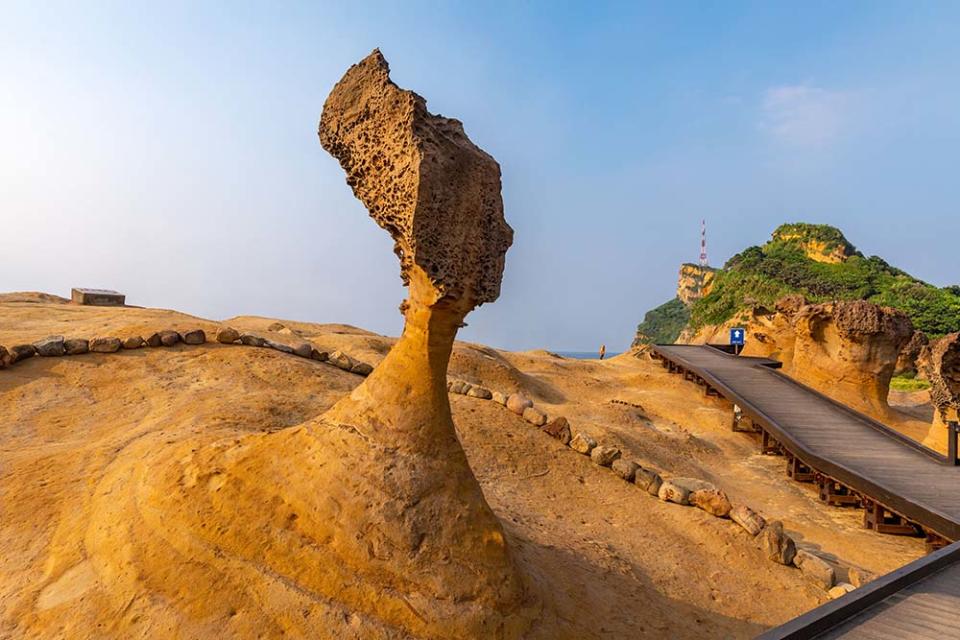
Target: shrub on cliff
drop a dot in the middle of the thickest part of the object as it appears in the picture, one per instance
(663, 324)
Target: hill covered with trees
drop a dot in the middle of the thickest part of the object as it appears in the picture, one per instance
(818, 262)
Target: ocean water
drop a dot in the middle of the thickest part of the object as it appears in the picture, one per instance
(586, 355)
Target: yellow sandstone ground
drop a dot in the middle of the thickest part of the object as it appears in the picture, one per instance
(86, 553)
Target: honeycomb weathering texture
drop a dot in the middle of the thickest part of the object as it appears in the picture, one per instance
(943, 371)
(422, 179)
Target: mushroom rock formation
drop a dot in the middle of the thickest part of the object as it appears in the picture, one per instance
(849, 350)
(438, 195)
(366, 521)
(942, 368)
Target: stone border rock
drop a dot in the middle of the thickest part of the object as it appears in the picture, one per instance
(57, 346)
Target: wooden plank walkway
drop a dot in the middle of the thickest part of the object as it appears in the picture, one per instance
(916, 602)
(870, 465)
(870, 459)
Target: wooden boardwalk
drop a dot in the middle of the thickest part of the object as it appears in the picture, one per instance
(877, 466)
(916, 602)
(903, 487)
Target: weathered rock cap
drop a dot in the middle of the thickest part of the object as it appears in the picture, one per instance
(420, 176)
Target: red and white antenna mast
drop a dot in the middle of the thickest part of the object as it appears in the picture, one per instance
(703, 243)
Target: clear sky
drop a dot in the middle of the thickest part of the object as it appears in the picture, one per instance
(169, 150)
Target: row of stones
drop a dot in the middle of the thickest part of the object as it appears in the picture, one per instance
(55, 346)
(770, 537)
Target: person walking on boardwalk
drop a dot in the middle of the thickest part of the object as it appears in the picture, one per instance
(603, 351)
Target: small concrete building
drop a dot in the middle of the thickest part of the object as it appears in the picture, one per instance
(98, 297)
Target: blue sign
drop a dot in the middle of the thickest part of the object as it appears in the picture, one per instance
(737, 336)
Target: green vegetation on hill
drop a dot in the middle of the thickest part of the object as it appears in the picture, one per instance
(782, 266)
(663, 324)
(803, 232)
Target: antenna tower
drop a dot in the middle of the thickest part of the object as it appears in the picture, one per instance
(703, 243)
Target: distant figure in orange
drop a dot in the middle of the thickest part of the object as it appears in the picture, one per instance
(603, 351)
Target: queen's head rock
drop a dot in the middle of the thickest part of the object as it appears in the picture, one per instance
(369, 515)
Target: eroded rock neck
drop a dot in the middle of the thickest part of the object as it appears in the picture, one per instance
(404, 402)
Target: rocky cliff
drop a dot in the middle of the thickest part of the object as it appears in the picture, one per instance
(695, 281)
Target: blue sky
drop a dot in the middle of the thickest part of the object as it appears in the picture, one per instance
(169, 150)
